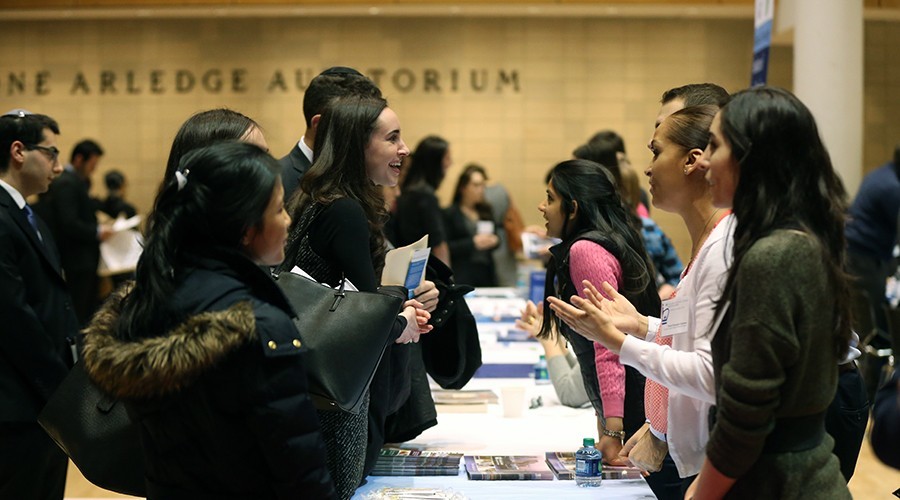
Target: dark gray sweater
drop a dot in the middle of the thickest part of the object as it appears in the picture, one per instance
(775, 359)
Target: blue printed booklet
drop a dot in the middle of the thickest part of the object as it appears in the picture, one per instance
(405, 266)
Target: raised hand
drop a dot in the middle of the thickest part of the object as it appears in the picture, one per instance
(532, 318)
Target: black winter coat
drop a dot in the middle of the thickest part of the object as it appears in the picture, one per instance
(221, 399)
(450, 354)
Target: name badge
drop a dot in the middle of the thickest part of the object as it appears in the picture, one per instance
(674, 317)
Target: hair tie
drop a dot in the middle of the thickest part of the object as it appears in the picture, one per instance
(181, 178)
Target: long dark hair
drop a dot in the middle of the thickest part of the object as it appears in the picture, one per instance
(339, 167)
(229, 186)
(786, 180)
(483, 208)
(427, 165)
(602, 213)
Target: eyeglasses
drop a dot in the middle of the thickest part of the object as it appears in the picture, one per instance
(51, 151)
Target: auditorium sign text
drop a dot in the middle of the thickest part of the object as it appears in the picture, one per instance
(148, 82)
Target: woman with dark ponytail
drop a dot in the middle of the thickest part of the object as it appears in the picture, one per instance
(202, 348)
(600, 242)
(785, 319)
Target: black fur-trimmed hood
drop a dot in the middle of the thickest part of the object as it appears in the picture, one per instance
(158, 366)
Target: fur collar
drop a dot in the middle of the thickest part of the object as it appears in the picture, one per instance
(157, 366)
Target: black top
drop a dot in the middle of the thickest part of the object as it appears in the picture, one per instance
(338, 235)
(470, 265)
(418, 213)
(114, 205)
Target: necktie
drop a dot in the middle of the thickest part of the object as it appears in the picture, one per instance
(29, 214)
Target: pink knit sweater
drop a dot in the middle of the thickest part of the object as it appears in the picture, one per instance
(590, 261)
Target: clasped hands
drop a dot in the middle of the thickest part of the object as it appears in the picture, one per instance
(417, 312)
(603, 320)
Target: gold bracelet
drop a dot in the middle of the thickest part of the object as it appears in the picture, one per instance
(620, 435)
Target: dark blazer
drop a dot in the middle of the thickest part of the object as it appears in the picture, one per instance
(35, 313)
(293, 166)
(72, 216)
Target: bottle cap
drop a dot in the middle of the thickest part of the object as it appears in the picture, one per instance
(588, 442)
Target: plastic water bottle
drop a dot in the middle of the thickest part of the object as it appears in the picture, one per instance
(588, 469)
(541, 374)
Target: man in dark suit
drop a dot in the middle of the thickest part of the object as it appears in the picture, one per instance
(71, 213)
(38, 322)
(334, 82)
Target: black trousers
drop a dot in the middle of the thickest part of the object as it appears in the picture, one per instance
(31, 465)
(846, 419)
(666, 484)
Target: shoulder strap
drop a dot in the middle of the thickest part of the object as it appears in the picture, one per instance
(296, 237)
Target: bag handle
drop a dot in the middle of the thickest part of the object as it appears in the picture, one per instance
(339, 294)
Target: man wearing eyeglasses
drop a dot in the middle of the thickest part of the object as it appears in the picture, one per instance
(37, 320)
(71, 213)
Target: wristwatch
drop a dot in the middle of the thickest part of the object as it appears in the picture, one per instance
(620, 435)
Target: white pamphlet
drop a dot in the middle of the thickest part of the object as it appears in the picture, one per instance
(405, 266)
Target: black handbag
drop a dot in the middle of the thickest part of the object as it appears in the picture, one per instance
(95, 431)
(345, 332)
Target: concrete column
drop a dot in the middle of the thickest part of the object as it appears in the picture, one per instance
(828, 78)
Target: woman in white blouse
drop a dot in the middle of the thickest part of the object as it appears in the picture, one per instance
(673, 352)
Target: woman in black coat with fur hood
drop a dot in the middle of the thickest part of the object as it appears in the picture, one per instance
(202, 348)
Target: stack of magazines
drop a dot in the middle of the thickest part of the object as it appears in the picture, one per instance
(416, 462)
(562, 463)
(464, 401)
(507, 467)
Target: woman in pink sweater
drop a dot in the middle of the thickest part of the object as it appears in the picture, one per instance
(600, 241)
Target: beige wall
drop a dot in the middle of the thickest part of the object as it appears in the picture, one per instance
(575, 76)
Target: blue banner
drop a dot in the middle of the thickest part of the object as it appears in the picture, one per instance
(762, 40)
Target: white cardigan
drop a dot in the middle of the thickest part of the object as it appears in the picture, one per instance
(686, 367)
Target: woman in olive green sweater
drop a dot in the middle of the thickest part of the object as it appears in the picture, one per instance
(784, 309)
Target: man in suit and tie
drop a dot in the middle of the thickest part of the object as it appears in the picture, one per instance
(334, 82)
(37, 321)
(71, 213)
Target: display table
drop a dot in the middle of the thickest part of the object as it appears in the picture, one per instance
(550, 427)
